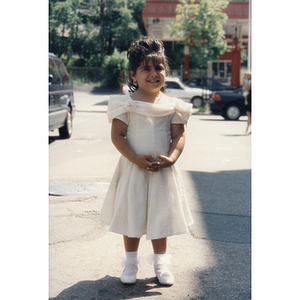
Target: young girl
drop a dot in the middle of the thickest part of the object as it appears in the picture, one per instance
(246, 85)
(247, 95)
(146, 194)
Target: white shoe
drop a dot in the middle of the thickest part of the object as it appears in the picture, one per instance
(161, 270)
(129, 274)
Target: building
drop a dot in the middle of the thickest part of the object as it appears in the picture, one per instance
(159, 15)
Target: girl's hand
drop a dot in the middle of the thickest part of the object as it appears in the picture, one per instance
(154, 167)
(165, 162)
(143, 161)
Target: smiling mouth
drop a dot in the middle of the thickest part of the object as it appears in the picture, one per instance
(153, 81)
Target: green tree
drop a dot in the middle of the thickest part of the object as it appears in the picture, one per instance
(128, 26)
(112, 67)
(95, 35)
(199, 23)
(92, 29)
(63, 27)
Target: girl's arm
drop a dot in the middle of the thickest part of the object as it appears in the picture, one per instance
(247, 88)
(176, 148)
(118, 137)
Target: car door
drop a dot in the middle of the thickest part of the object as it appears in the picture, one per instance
(63, 92)
(173, 89)
(54, 84)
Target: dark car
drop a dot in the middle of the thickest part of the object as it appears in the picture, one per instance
(229, 104)
(61, 98)
(211, 84)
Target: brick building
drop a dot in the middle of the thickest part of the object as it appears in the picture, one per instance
(159, 15)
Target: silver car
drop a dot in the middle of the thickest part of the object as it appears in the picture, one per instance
(61, 98)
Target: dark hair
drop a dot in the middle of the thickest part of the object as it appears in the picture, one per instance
(142, 51)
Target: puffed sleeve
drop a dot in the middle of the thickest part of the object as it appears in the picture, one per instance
(116, 109)
(183, 112)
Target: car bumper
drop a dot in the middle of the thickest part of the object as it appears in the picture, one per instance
(216, 108)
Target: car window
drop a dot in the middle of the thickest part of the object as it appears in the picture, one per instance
(53, 72)
(209, 83)
(173, 85)
(62, 71)
(201, 81)
(194, 82)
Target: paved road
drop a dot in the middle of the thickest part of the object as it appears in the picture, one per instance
(212, 262)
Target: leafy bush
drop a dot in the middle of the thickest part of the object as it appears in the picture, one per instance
(112, 67)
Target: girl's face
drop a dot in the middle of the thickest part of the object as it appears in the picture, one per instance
(150, 77)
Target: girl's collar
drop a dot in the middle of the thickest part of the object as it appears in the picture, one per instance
(157, 100)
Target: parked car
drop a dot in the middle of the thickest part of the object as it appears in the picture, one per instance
(229, 104)
(175, 88)
(211, 84)
(61, 98)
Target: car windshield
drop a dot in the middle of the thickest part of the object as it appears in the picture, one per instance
(174, 85)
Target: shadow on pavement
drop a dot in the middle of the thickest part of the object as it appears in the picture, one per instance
(243, 134)
(109, 288)
(54, 138)
(105, 102)
(221, 120)
(224, 200)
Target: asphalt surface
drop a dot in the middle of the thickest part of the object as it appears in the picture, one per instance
(211, 262)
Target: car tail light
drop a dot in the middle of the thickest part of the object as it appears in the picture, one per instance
(216, 97)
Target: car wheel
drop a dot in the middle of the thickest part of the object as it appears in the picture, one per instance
(232, 112)
(66, 131)
(197, 102)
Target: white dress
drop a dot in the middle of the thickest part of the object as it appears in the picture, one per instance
(138, 201)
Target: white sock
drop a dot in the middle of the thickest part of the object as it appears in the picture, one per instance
(131, 255)
(161, 262)
(131, 268)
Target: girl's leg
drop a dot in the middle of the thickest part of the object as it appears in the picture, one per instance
(131, 244)
(159, 246)
(248, 120)
(250, 116)
(131, 263)
(161, 262)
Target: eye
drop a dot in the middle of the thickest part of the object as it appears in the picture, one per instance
(159, 68)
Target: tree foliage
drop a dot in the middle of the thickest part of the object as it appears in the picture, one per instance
(112, 67)
(63, 26)
(199, 23)
(92, 29)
